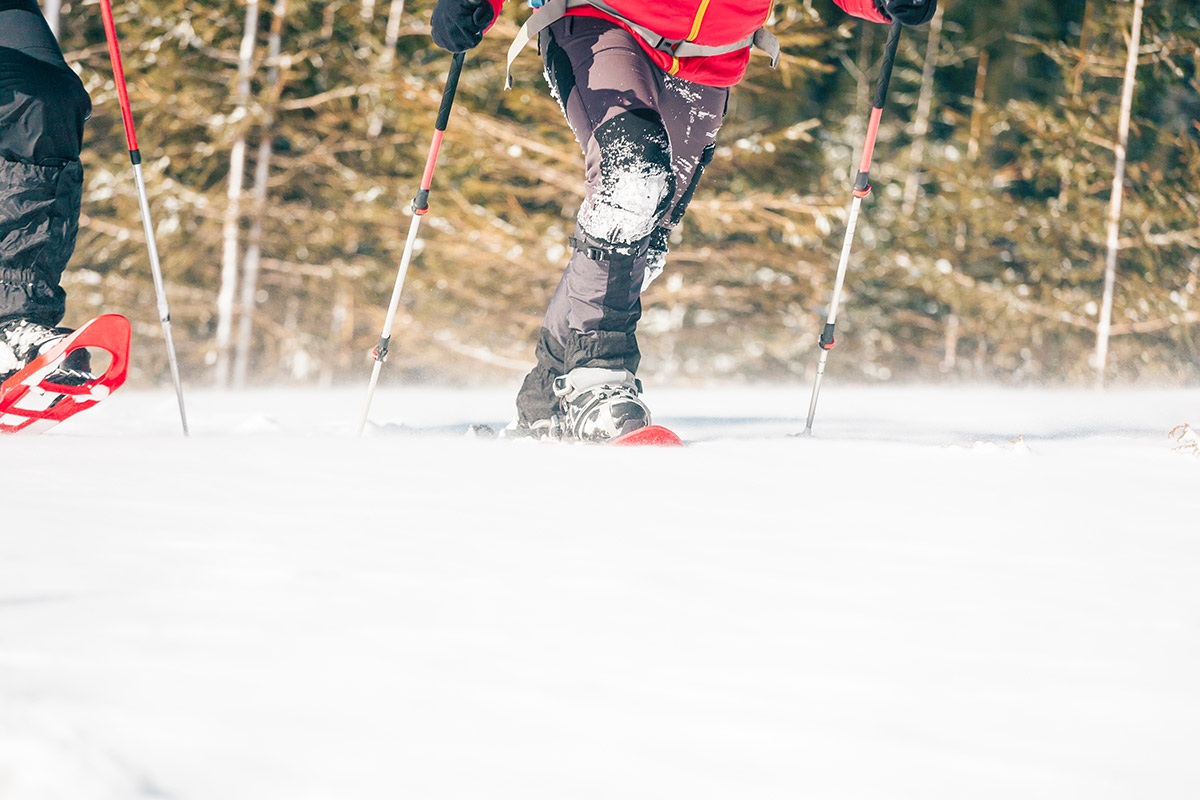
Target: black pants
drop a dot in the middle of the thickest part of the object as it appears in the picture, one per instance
(43, 107)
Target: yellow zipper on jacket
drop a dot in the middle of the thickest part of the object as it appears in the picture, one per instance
(696, 22)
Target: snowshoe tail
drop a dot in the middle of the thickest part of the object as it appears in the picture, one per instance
(649, 436)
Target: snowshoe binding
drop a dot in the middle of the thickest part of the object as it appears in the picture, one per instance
(23, 340)
(600, 404)
(540, 430)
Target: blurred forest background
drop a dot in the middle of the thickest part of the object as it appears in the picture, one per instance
(284, 141)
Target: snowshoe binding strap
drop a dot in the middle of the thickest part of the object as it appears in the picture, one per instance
(601, 404)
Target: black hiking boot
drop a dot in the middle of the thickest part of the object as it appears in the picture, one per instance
(22, 340)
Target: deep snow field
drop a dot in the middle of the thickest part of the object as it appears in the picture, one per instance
(906, 605)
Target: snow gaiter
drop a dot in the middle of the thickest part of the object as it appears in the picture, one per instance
(43, 107)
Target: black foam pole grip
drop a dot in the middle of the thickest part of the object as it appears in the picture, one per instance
(448, 95)
(885, 71)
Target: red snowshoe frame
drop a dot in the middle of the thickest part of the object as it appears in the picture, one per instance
(30, 403)
(651, 435)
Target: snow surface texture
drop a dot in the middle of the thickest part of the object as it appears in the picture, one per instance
(275, 609)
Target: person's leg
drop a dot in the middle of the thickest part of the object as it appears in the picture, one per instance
(646, 139)
(692, 114)
(608, 90)
(43, 107)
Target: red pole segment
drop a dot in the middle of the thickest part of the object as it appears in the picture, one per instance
(135, 156)
(430, 164)
(114, 53)
(864, 166)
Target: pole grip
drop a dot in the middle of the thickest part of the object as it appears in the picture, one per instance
(448, 94)
(421, 202)
(885, 70)
(862, 183)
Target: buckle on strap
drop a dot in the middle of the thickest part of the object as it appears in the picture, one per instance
(591, 251)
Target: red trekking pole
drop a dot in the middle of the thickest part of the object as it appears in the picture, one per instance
(135, 156)
(862, 188)
(420, 207)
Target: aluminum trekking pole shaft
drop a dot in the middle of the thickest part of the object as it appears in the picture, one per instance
(135, 156)
(420, 207)
(862, 188)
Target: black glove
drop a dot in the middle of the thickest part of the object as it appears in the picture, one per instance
(458, 25)
(907, 12)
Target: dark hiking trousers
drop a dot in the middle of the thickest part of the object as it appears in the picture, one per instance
(646, 138)
(43, 106)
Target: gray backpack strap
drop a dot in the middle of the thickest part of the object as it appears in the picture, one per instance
(769, 43)
(763, 39)
(550, 12)
(554, 10)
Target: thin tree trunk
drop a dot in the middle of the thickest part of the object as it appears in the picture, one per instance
(291, 349)
(1104, 329)
(392, 36)
(262, 173)
(51, 9)
(953, 322)
(233, 209)
(386, 60)
(977, 108)
(337, 335)
(1078, 71)
(1081, 67)
(981, 349)
(950, 356)
(912, 183)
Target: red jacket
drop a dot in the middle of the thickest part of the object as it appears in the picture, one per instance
(705, 22)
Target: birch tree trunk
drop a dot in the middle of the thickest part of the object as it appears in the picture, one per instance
(1104, 329)
(392, 36)
(51, 10)
(386, 60)
(262, 173)
(912, 183)
(340, 331)
(233, 208)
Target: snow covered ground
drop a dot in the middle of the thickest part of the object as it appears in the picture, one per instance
(276, 609)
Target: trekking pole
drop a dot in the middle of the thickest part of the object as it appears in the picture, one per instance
(420, 207)
(135, 156)
(862, 188)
